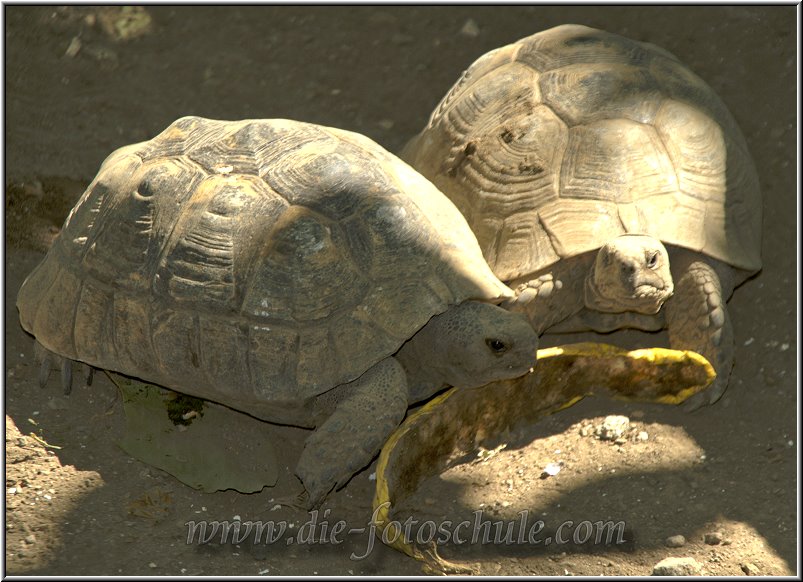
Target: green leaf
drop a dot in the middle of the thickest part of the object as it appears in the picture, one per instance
(219, 448)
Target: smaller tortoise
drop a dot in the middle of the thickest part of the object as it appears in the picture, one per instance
(606, 183)
(298, 273)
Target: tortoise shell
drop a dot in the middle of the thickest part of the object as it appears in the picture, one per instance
(555, 144)
(259, 260)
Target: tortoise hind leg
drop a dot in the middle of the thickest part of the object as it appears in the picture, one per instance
(698, 320)
(364, 413)
(48, 360)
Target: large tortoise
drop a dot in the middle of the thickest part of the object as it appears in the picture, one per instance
(603, 180)
(299, 273)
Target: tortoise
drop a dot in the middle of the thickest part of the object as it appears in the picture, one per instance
(299, 273)
(606, 183)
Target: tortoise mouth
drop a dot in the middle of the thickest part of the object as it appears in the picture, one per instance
(647, 291)
(649, 298)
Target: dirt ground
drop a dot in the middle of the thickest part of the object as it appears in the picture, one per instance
(78, 87)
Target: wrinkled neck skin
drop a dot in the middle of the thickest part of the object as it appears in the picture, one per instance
(423, 378)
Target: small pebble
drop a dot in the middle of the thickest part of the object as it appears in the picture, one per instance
(613, 427)
(677, 541)
(386, 124)
(152, 565)
(470, 29)
(642, 436)
(551, 469)
(749, 568)
(749, 341)
(713, 538)
(677, 567)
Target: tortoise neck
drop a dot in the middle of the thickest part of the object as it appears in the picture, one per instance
(423, 379)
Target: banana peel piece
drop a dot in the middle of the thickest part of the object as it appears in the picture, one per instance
(461, 420)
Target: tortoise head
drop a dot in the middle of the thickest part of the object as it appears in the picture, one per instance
(631, 273)
(472, 344)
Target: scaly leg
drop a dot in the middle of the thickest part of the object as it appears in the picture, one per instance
(698, 320)
(554, 295)
(364, 413)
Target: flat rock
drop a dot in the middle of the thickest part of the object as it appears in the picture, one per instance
(677, 567)
(749, 568)
(676, 541)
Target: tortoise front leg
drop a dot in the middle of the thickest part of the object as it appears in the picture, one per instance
(697, 319)
(364, 414)
(553, 295)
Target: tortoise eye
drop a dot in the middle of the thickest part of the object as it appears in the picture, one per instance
(652, 260)
(497, 345)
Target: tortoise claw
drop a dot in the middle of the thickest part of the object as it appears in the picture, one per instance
(48, 360)
(66, 375)
(44, 371)
(707, 397)
(299, 501)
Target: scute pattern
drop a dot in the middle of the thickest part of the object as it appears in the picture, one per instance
(263, 261)
(572, 136)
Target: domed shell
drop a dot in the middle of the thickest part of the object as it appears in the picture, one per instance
(255, 260)
(553, 145)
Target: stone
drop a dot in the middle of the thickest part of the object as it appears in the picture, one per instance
(676, 541)
(613, 427)
(470, 29)
(677, 567)
(749, 568)
(713, 538)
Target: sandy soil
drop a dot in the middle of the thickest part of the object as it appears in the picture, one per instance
(77, 87)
